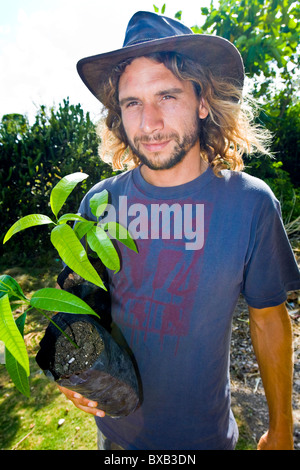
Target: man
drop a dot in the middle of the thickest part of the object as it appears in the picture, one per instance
(204, 234)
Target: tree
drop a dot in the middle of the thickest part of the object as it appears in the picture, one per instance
(266, 32)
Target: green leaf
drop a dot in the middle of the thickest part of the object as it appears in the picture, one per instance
(82, 228)
(66, 217)
(241, 40)
(99, 242)
(8, 285)
(20, 322)
(121, 234)
(98, 203)
(204, 11)
(292, 24)
(17, 374)
(11, 336)
(16, 371)
(73, 254)
(57, 300)
(64, 187)
(26, 222)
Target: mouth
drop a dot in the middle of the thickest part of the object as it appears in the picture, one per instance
(155, 146)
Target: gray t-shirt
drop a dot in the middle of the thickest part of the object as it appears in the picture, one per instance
(200, 245)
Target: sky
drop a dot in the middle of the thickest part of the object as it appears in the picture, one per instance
(42, 40)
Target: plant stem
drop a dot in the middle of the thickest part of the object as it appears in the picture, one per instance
(55, 324)
(62, 331)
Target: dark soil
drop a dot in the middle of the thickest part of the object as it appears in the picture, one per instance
(79, 359)
(99, 369)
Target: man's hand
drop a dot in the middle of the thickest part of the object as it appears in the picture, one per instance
(280, 441)
(81, 402)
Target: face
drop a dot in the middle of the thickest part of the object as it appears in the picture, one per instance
(160, 114)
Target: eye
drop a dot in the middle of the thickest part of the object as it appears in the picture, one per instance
(131, 104)
(168, 97)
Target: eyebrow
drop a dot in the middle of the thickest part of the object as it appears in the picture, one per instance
(170, 91)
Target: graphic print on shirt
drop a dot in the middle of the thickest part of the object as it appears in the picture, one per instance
(155, 286)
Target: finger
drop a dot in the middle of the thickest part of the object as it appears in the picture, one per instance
(81, 402)
(70, 394)
(84, 401)
(91, 410)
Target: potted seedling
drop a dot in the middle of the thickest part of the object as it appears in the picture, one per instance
(77, 350)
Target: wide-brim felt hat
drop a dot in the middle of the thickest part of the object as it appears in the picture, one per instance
(149, 33)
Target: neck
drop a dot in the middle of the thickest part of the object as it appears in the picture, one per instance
(182, 173)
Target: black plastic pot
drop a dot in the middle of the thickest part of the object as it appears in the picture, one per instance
(112, 379)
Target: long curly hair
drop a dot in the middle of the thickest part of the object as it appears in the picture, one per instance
(226, 134)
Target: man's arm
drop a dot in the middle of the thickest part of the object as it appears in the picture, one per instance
(271, 335)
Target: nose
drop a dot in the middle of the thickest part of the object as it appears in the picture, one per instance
(151, 119)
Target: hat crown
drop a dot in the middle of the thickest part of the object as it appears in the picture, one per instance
(148, 33)
(146, 26)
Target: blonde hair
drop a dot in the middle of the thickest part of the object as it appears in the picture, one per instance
(226, 134)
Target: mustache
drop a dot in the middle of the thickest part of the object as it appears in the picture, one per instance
(155, 138)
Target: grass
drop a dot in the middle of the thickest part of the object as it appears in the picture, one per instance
(246, 441)
(35, 423)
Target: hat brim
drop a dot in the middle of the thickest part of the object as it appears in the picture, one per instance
(215, 52)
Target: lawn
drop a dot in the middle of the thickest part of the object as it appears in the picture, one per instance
(46, 420)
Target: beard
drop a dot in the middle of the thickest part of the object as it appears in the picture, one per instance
(182, 147)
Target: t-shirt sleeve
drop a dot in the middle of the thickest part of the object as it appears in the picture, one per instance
(271, 269)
